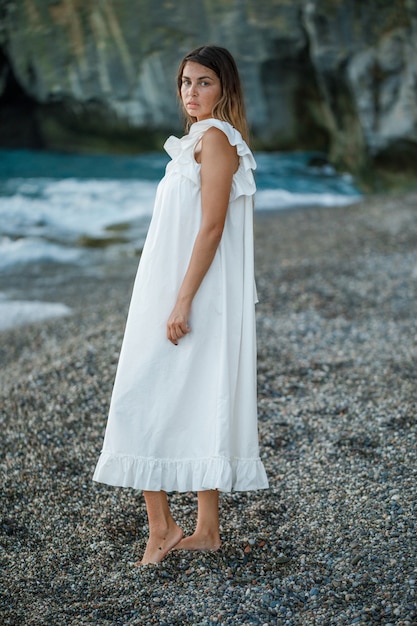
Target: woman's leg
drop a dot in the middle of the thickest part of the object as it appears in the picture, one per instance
(164, 533)
(207, 533)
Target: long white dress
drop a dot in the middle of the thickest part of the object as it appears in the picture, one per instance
(184, 418)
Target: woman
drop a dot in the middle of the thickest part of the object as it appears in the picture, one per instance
(183, 411)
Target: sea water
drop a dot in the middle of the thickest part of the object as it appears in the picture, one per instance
(51, 205)
(59, 207)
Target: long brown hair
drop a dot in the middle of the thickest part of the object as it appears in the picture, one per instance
(231, 106)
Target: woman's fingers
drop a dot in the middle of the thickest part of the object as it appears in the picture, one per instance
(176, 331)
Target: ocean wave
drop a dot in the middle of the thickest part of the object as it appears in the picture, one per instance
(34, 250)
(51, 204)
(276, 199)
(69, 208)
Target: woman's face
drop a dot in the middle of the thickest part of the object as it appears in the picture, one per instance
(200, 90)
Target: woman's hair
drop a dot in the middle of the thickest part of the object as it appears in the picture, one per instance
(231, 106)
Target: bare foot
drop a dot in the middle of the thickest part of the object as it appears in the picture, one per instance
(203, 543)
(159, 544)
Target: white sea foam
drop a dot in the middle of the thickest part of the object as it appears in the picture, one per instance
(273, 199)
(72, 207)
(14, 313)
(34, 250)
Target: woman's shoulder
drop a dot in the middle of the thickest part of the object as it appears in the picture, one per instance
(215, 136)
(211, 129)
(214, 148)
(183, 150)
(211, 124)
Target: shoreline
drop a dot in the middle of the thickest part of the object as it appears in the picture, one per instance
(333, 539)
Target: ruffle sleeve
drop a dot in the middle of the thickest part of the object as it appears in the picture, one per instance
(181, 152)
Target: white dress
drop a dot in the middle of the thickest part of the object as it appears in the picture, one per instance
(184, 418)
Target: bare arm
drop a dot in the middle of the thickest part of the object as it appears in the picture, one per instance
(219, 161)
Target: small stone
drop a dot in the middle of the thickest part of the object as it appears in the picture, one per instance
(358, 557)
(282, 559)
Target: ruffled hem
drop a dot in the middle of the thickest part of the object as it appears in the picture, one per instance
(182, 475)
(181, 152)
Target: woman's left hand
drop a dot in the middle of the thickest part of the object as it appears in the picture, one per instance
(219, 161)
(177, 325)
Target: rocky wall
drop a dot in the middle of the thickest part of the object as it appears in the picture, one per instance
(334, 75)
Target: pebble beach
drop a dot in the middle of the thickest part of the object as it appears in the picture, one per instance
(333, 541)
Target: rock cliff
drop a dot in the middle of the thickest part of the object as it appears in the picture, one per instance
(365, 60)
(334, 75)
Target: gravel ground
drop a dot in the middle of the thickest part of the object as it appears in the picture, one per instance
(333, 541)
